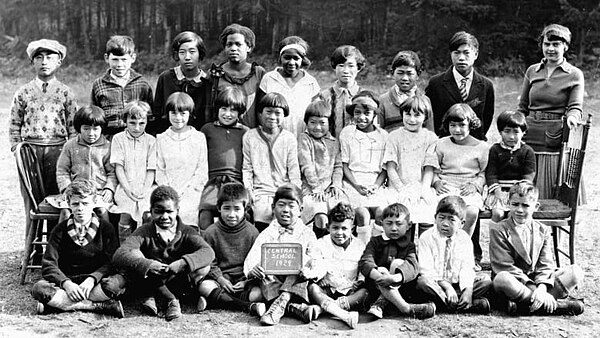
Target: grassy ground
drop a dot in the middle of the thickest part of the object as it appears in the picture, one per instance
(17, 308)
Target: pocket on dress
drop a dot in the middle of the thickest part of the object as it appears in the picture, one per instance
(553, 134)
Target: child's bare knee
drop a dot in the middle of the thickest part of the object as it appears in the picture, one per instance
(207, 286)
(255, 294)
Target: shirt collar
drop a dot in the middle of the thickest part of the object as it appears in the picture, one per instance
(459, 77)
(129, 136)
(564, 65)
(124, 78)
(237, 125)
(179, 75)
(101, 140)
(39, 82)
(327, 136)
(515, 148)
(352, 89)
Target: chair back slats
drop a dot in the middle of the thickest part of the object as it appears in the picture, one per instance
(30, 174)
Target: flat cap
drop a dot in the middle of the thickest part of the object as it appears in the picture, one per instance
(558, 31)
(46, 44)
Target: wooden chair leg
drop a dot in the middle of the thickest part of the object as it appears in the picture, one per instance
(28, 248)
(556, 242)
(572, 240)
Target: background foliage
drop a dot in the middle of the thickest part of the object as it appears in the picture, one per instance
(507, 29)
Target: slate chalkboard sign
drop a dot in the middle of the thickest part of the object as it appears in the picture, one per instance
(281, 258)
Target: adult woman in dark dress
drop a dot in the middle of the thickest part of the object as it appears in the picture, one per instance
(552, 90)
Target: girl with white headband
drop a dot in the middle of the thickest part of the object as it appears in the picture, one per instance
(292, 81)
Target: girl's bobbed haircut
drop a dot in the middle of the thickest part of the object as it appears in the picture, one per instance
(407, 58)
(418, 103)
(511, 119)
(235, 28)
(396, 210)
(362, 93)
(317, 108)
(274, 100)
(231, 97)
(288, 191)
(343, 53)
(298, 41)
(180, 101)
(459, 112)
(136, 110)
(89, 116)
(185, 37)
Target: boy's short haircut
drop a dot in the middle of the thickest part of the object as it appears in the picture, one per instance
(274, 100)
(343, 53)
(524, 189)
(453, 205)
(341, 212)
(459, 112)
(231, 192)
(362, 93)
(80, 187)
(136, 110)
(231, 97)
(180, 101)
(164, 193)
(317, 108)
(407, 58)
(235, 28)
(120, 45)
(555, 32)
(89, 116)
(511, 119)
(463, 38)
(288, 191)
(396, 210)
(418, 103)
(295, 40)
(184, 37)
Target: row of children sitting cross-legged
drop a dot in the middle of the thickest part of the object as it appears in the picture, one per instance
(165, 260)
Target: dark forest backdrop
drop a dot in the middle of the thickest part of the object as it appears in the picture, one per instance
(507, 29)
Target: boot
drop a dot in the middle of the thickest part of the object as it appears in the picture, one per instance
(480, 306)
(149, 306)
(276, 310)
(305, 312)
(257, 309)
(422, 311)
(173, 310)
(569, 307)
(377, 307)
(110, 307)
(356, 300)
(350, 318)
(42, 309)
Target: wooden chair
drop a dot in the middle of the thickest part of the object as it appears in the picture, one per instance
(42, 215)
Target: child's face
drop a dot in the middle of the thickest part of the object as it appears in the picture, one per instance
(232, 212)
(228, 116)
(119, 65)
(271, 118)
(317, 126)
(463, 58)
(341, 232)
(364, 113)
(346, 72)
(291, 62)
(189, 56)
(179, 119)
(90, 134)
(521, 208)
(286, 211)
(395, 227)
(447, 224)
(82, 207)
(164, 213)
(405, 77)
(46, 63)
(136, 127)
(511, 136)
(413, 120)
(554, 51)
(236, 48)
(459, 130)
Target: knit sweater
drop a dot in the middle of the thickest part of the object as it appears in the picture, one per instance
(224, 145)
(231, 245)
(381, 252)
(504, 164)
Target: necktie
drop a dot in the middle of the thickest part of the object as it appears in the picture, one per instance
(447, 258)
(463, 88)
(44, 86)
(283, 230)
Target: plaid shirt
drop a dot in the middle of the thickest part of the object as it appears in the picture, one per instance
(111, 97)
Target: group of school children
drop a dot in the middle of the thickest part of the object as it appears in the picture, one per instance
(347, 174)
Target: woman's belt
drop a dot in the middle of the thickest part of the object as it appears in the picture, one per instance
(543, 115)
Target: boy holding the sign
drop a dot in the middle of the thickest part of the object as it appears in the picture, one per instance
(287, 292)
(389, 264)
(339, 286)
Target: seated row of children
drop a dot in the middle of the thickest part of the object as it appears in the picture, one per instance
(166, 260)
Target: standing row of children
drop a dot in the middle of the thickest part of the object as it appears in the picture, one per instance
(410, 161)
